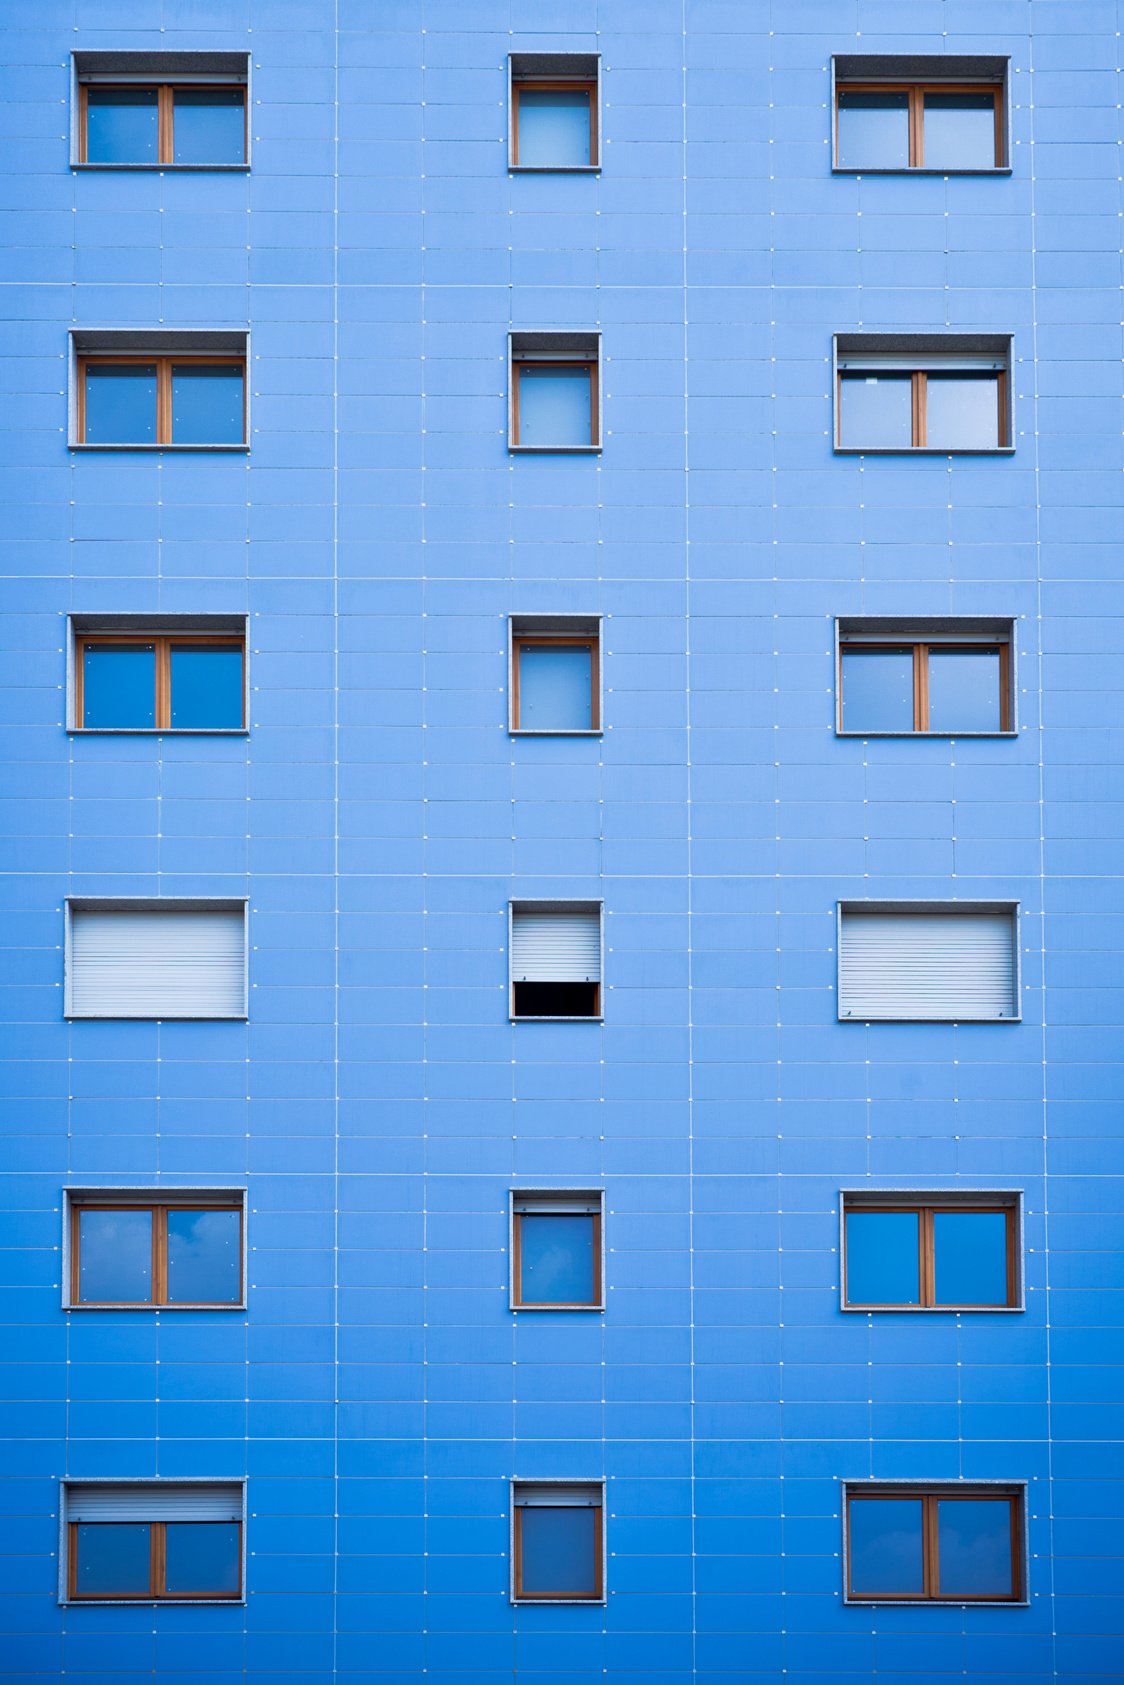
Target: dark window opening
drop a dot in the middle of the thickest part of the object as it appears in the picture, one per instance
(557, 1000)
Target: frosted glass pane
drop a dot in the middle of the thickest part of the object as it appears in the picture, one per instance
(122, 126)
(559, 1552)
(883, 1267)
(554, 127)
(878, 690)
(114, 1257)
(873, 131)
(119, 687)
(964, 692)
(557, 1258)
(971, 1257)
(555, 688)
(962, 411)
(974, 1547)
(959, 131)
(876, 411)
(209, 126)
(886, 1546)
(554, 407)
(120, 404)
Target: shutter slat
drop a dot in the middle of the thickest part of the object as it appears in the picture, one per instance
(941, 965)
(556, 948)
(154, 1503)
(155, 964)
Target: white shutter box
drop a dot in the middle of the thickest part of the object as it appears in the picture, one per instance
(154, 1503)
(152, 963)
(558, 1497)
(942, 964)
(556, 947)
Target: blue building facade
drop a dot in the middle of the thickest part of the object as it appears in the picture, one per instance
(782, 910)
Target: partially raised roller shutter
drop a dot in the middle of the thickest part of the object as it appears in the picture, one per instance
(556, 947)
(927, 965)
(155, 964)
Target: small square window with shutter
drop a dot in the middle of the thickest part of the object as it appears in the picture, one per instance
(156, 959)
(555, 959)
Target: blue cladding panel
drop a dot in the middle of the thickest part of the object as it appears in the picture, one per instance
(206, 405)
(118, 687)
(209, 126)
(554, 127)
(121, 125)
(206, 687)
(120, 404)
(556, 688)
(883, 1266)
(554, 407)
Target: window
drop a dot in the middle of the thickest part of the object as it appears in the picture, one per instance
(944, 115)
(907, 392)
(156, 959)
(179, 1250)
(554, 111)
(944, 1252)
(555, 959)
(161, 110)
(558, 1551)
(189, 679)
(943, 1543)
(555, 403)
(943, 677)
(556, 1251)
(153, 1541)
(555, 675)
(161, 400)
(928, 961)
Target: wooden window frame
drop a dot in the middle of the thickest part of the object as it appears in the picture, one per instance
(930, 1497)
(157, 1568)
(925, 1210)
(165, 122)
(916, 92)
(919, 418)
(590, 365)
(921, 649)
(163, 364)
(595, 1596)
(159, 1213)
(571, 85)
(557, 640)
(162, 642)
(596, 1303)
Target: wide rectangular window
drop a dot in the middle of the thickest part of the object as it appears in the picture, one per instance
(555, 959)
(556, 1251)
(161, 400)
(943, 114)
(925, 677)
(943, 1253)
(156, 959)
(172, 110)
(555, 392)
(944, 1543)
(909, 392)
(558, 1553)
(190, 680)
(554, 111)
(928, 961)
(178, 1252)
(555, 675)
(151, 1542)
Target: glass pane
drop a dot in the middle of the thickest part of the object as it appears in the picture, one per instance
(971, 1257)
(559, 1551)
(206, 687)
(555, 688)
(873, 131)
(113, 1559)
(964, 692)
(557, 1259)
(883, 1267)
(119, 687)
(204, 1257)
(878, 690)
(207, 404)
(122, 126)
(974, 1547)
(120, 404)
(203, 1558)
(886, 1546)
(962, 411)
(554, 406)
(115, 1257)
(208, 126)
(554, 127)
(959, 131)
(876, 411)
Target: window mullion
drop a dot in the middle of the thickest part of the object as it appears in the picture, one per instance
(159, 1254)
(917, 128)
(164, 145)
(927, 1239)
(920, 402)
(163, 712)
(156, 1558)
(921, 668)
(931, 1550)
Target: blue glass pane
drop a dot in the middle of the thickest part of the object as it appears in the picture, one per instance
(878, 690)
(113, 1559)
(114, 1257)
(204, 1257)
(555, 688)
(886, 1546)
(883, 1266)
(964, 693)
(122, 126)
(557, 1259)
(974, 1547)
(876, 411)
(119, 687)
(203, 1558)
(873, 131)
(554, 127)
(971, 1257)
(559, 1551)
(207, 404)
(209, 126)
(120, 404)
(962, 411)
(959, 132)
(554, 406)
(206, 687)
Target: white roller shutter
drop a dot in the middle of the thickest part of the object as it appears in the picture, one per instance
(154, 1503)
(556, 947)
(157, 964)
(927, 965)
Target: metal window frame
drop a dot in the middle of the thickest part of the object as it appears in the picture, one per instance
(560, 347)
(880, 1197)
(515, 1596)
(934, 630)
(579, 70)
(562, 1197)
(562, 629)
(89, 67)
(154, 904)
(66, 1484)
(918, 354)
(152, 626)
(1016, 1490)
(949, 71)
(144, 1196)
(579, 904)
(851, 905)
(150, 345)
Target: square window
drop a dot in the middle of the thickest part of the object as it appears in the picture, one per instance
(122, 125)
(208, 126)
(558, 1554)
(938, 114)
(554, 111)
(137, 1250)
(928, 677)
(555, 402)
(153, 1541)
(181, 110)
(555, 959)
(555, 678)
(191, 680)
(556, 1254)
(156, 959)
(948, 1543)
(947, 1252)
(910, 392)
(928, 962)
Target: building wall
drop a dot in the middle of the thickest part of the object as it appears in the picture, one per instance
(378, 1104)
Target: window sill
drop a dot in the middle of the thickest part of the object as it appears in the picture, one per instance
(560, 731)
(904, 170)
(156, 1017)
(556, 1602)
(924, 450)
(554, 169)
(157, 1309)
(596, 1309)
(175, 169)
(80, 445)
(151, 1602)
(554, 450)
(157, 731)
(892, 1018)
(922, 736)
(933, 1310)
(556, 1019)
(936, 1602)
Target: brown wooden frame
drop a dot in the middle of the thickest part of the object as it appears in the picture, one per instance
(919, 413)
(162, 650)
(573, 86)
(916, 92)
(921, 649)
(163, 365)
(925, 1212)
(558, 640)
(595, 1596)
(930, 1497)
(165, 117)
(596, 1303)
(157, 1569)
(589, 364)
(159, 1214)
